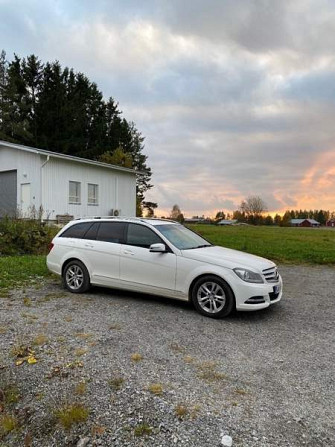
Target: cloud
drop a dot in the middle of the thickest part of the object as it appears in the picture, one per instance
(234, 97)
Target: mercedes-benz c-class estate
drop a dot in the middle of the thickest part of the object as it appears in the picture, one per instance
(162, 257)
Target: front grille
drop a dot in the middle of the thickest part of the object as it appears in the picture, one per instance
(271, 274)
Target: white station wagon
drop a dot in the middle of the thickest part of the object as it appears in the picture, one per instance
(162, 257)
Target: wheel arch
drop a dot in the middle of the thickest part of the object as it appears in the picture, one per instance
(203, 275)
(73, 258)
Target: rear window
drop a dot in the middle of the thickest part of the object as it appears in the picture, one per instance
(77, 230)
(111, 232)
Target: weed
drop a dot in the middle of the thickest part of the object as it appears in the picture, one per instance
(40, 340)
(3, 329)
(115, 327)
(241, 392)
(83, 335)
(98, 430)
(8, 423)
(68, 319)
(142, 430)
(10, 394)
(116, 383)
(156, 388)
(81, 388)
(181, 411)
(207, 371)
(4, 293)
(188, 359)
(80, 352)
(27, 301)
(69, 415)
(136, 357)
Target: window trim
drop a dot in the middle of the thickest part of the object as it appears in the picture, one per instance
(96, 198)
(77, 202)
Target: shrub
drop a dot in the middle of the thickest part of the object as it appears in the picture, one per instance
(18, 236)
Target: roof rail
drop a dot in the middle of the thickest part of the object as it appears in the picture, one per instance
(131, 218)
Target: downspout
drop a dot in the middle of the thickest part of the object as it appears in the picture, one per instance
(41, 184)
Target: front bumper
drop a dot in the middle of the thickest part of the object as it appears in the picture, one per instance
(258, 296)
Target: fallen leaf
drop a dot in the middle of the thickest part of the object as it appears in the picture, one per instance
(31, 360)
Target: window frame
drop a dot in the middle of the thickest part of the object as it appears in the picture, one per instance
(96, 195)
(77, 198)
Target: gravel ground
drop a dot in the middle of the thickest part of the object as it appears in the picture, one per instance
(263, 378)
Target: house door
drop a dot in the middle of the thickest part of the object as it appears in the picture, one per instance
(25, 199)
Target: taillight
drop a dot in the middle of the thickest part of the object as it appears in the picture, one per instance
(50, 246)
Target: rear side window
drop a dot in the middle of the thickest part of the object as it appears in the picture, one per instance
(92, 232)
(77, 230)
(111, 232)
(141, 236)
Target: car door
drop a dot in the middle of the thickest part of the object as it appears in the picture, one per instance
(102, 245)
(143, 270)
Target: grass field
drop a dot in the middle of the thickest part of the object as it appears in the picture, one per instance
(20, 270)
(285, 245)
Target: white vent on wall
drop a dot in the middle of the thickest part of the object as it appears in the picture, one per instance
(115, 213)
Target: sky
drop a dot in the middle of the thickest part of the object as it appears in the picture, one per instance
(234, 97)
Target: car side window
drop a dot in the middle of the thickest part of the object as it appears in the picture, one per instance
(77, 230)
(111, 232)
(92, 232)
(141, 236)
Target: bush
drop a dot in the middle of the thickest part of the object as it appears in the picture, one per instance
(18, 237)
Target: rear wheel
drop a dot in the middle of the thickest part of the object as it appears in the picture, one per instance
(213, 297)
(76, 277)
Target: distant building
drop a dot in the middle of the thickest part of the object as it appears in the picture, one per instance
(227, 222)
(304, 223)
(330, 223)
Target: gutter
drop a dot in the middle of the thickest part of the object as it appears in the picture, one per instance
(41, 185)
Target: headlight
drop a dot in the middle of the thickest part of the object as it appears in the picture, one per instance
(248, 275)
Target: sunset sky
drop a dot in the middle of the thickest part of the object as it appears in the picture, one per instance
(234, 97)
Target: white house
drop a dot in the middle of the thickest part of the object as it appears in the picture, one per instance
(33, 179)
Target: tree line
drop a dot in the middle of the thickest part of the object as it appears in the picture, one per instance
(321, 216)
(54, 108)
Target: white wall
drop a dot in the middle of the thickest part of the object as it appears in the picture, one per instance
(27, 165)
(117, 189)
(50, 184)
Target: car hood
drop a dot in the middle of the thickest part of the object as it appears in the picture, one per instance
(228, 258)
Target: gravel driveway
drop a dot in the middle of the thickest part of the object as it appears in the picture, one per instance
(153, 372)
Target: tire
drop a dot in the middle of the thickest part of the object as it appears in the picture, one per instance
(76, 278)
(213, 297)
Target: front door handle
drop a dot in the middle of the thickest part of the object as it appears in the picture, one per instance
(128, 252)
(89, 245)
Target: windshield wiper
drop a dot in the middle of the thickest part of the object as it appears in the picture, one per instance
(198, 246)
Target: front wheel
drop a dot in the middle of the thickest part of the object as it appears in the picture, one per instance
(212, 297)
(76, 277)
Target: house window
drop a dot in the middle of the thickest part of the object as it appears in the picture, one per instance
(92, 194)
(74, 192)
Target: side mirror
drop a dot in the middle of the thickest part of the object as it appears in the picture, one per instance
(157, 248)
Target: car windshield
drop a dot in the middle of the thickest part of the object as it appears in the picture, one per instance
(181, 237)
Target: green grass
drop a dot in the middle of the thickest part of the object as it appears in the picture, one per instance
(285, 245)
(17, 271)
